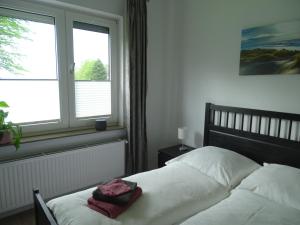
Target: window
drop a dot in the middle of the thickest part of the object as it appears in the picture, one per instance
(58, 69)
(92, 80)
(27, 48)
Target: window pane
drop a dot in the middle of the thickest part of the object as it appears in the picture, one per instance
(31, 101)
(92, 98)
(27, 49)
(28, 74)
(92, 74)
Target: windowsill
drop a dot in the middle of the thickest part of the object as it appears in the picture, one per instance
(44, 144)
(65, 133)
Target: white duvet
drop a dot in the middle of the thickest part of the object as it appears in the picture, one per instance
(170, 195)
(246, 208)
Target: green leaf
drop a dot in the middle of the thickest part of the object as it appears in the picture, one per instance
(17, 134)
(11, 31)
(14, 129)
(92, 70)
(3, 104)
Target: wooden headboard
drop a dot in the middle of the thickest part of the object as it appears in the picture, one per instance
(264, 136)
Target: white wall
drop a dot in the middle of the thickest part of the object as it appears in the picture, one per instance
(162, 77)
(210, 50)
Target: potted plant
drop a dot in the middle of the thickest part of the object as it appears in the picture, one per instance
(9, 132)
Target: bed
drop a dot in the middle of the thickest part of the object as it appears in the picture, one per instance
(269, 195)
(263, 136)
(242, 208)
(171, 194)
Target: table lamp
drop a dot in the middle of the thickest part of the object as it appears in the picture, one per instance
(181, 136)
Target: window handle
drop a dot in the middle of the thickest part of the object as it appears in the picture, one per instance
(72, 68)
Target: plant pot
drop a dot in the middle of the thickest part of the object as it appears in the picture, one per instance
(5, 138)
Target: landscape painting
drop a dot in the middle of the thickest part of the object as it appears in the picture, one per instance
(273, 49)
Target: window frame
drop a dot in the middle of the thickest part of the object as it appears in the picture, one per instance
(64, 14)
(88, 121)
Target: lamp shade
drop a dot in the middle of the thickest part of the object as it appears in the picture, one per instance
(181, 133)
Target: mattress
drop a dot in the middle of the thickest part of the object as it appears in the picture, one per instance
(170, 195)
(246, 208)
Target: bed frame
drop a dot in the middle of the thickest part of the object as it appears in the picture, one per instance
(43, 215)
(264, 136)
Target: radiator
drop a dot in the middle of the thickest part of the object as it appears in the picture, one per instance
(59, 173)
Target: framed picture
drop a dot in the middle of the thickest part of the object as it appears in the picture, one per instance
(272, 49)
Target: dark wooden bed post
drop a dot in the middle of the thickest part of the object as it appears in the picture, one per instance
(206, 124)
(43, 215)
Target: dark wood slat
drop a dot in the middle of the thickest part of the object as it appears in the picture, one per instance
(290, 129)
(243, 115)
(259, 124)
(220, 118)
(234, 121)
(251, 118)
(227, 118)
(213, 116)
(279, 128)
(208, 116)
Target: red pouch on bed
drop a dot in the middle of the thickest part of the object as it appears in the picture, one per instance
(114, 188)
(112, 210)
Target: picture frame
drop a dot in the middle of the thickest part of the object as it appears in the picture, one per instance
(271, 49)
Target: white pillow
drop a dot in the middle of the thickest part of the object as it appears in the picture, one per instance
(275, 182)
(225, 166)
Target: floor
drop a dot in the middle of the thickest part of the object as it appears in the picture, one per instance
(24, 218)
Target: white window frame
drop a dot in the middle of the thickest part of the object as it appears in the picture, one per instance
(64, 16)
(112, 25)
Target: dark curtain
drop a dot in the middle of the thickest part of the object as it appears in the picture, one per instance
(136, 27)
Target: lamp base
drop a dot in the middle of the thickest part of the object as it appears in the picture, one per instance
(183, 148)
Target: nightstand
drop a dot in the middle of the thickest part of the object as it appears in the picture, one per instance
(168, 153)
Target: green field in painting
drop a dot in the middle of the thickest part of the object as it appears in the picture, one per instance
(269, 61)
